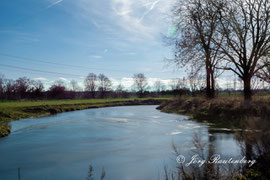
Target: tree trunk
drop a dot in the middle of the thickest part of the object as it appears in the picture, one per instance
(140, 93)
(93, 94)
(212, 84)
(247, 88)
(208, 84)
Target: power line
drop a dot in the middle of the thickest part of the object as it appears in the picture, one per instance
(58, 64)
(61, 64)
(48, 62)
(40, 71)
(25, 72)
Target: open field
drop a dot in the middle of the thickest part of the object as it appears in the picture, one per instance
(14, 110)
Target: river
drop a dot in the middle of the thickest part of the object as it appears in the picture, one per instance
(129, 142)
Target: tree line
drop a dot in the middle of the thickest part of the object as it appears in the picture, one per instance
(213, 36)
(100, 86)
(95, 86)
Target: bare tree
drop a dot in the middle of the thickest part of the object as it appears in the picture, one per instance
(23, 85)
(196, 24)
(90, 83)
(74, 85)
(104, 85)
(173, 84)
(57, 90)
(179, 86)
(10, 88)
(182, 83)
(159, 86)
(196, 83)
(37, 88)
(2, 79)
(179, 83)
(245, 28)
(120, 91)
(140, 83)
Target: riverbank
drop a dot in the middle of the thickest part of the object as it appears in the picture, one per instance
(223, 111)
(15, 110)
(249, 121)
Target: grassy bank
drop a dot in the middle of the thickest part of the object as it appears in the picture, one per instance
(223, 111)
(14, 110)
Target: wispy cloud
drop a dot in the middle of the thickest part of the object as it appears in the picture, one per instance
(149, 10)
(132, 20)
(53, 4)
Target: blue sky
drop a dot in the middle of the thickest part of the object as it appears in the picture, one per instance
(67, 39)
(114, 37)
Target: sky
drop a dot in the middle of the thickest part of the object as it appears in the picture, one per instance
(65, 40)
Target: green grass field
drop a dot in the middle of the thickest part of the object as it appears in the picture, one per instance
(14, 110)
(29, 103)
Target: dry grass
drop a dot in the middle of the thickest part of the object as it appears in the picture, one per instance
(228, 111)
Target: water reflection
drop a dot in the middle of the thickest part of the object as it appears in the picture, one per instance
(253, 138)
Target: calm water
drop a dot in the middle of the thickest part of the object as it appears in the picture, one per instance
(133, 142)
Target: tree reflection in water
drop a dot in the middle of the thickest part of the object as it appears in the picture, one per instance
(254, 140)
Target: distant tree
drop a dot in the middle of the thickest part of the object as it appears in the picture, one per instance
(74, 85)
(140, 83)
(173, 84)
(90, 84)
(179, 86)
(104, 85)
(23, 85)
(10, 88)
(196, 84)
(2, 79)
(182, 83)
(119, 88)
(36, 89)
(159, 86)
(120, 91)
(57, 90)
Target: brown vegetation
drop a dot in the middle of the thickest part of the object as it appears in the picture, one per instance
(224, 110)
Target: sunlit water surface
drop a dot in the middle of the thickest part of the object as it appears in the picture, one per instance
(131, 142)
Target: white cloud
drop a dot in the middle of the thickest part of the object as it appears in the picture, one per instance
(126, 82)
(64, 79)
(41, 78)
